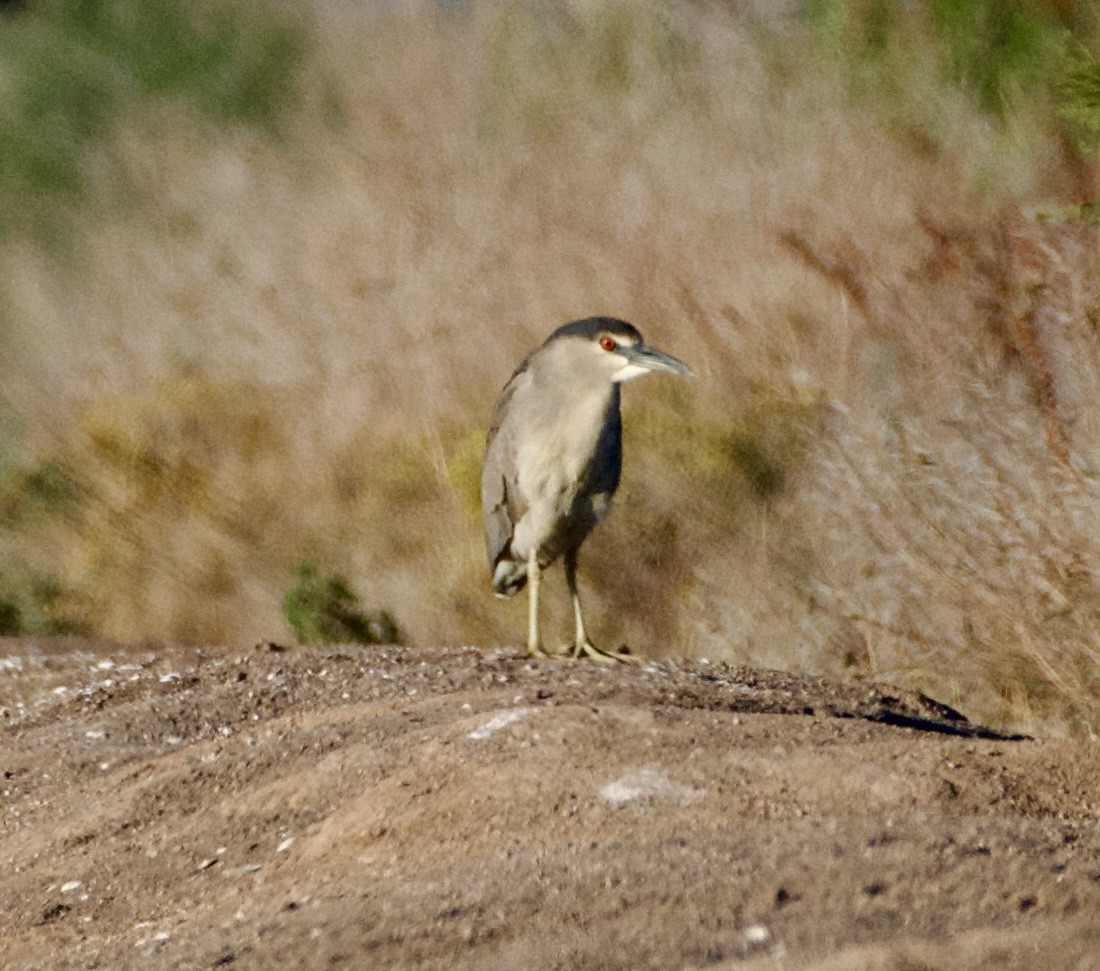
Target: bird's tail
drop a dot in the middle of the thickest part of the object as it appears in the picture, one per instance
(509, 577)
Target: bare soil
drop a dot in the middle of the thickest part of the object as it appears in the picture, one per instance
(346, 807)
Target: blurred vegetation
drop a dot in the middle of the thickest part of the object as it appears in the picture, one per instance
(323, 609)
(37, 605)
(464, 471)
(549, 61)
(1024, 65)
(74, 72)
(1001, 51)
(1079, 95)
(857, 221)
(11, 434)
(189, 466)
(751, 454)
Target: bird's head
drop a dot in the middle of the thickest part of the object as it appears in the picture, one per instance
(612, 348)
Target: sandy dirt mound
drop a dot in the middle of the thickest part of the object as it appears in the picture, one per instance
(351, 808)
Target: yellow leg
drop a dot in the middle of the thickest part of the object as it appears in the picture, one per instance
(534, 580)
(582, 646)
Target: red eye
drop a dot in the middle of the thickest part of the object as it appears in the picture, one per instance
(608, 343)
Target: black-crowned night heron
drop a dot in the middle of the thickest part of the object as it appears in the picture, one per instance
(553, 458)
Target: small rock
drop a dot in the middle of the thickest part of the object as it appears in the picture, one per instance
(756, 936)
(497, 722)
(649, 783)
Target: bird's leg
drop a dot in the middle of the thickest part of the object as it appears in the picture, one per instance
(534, 579)
(582, 646)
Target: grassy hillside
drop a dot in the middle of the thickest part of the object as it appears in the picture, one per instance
(257, 344)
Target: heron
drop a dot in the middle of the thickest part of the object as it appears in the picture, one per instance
(553, 457)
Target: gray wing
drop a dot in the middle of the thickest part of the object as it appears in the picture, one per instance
(500, 502)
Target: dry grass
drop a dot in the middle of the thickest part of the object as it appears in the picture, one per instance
(885, 467)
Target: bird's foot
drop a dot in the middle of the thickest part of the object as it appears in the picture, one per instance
(587, 649)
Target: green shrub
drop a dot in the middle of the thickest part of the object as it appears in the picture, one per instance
(1079, 95)
(322, 609)
(236, 64)
(11, 620)
(996, 48)
(1001, 51)
(38, 605)
(73, 71)
(46, 488)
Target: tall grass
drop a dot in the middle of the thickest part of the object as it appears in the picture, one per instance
(289, 352)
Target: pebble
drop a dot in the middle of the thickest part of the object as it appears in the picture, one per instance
(756, 935)
(497, 722)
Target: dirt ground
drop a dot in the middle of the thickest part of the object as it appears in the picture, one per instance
(346, 807)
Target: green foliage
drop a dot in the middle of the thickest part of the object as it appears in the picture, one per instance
(1001, 51)
(46, 488)
(57, 110)
(73, 71)
(39, 605)
(323, 609)
(1079, 95)
(10, 617)
(236, 64)
(858, 32)
(31, 494)
(995, 47)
